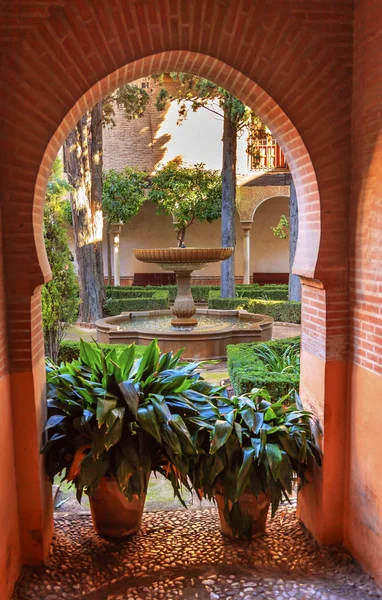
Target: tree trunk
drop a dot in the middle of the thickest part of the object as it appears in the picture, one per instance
(294, 291)
(81, 163)
(228, 234)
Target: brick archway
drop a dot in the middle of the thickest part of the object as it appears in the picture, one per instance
(284, 67)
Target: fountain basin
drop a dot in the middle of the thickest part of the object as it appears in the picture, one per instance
(209, 339)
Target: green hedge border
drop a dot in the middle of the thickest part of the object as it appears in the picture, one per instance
(280, 310)
(247, 370)
(70, 350)
(200, 292)
(158, 301)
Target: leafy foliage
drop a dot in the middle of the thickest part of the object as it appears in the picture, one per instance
(189, 194)
(60, 296)
(123, 194)
(252, 444)
(273, 365)
(70, 350)
(131, 98)
(112, 415)
(282, 228)
(287, 361)
(280, 310)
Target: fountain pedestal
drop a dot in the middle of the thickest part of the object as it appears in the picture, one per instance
(184, 305)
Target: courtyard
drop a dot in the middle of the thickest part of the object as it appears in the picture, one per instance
(247, 133)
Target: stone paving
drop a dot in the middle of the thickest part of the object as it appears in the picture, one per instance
(183, 555)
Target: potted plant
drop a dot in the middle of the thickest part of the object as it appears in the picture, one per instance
(113, 419)
(250, 452)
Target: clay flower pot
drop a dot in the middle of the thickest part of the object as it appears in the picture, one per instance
(255, 507)
(113, 514)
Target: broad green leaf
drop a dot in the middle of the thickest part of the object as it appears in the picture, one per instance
(149, 422)
(103, 409)
(130, 396)
(248, 415)
(171, 438)
(113, 435)
(239, 432)
(269, 415)
(123, 471)
(149, 361)
(90, 354)
(220, 435)
(180, 428)
(161, 408)
(242, 478)
(126, 360)
(55, 420)
(274, 458)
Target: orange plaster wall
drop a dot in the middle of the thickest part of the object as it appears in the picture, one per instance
(363, 517)
(33, 488)
(321, 502)
(10, 561)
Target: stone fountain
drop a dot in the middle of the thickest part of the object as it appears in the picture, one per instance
(202, 333)
(183, 261)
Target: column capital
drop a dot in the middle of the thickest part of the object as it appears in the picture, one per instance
(246, 225)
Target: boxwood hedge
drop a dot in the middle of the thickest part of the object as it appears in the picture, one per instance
(280, 310)
(201, 292)
(158, 301)
(247, 370)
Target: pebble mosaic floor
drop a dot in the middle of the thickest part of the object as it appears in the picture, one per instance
(183, 555)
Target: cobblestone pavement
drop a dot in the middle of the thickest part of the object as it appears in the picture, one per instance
(183, 555)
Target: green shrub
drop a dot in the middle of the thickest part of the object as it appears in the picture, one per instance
(227, 303)
(247, 369)
(280, 310)
(71, 350)
(201, 293)
(267, 294)
(129, 292)
(249, 291)
(288, 312)
(116, 306)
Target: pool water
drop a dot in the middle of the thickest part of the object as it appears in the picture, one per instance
(162, 324)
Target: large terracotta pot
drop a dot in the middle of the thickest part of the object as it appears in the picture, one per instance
(256, 507)
(113, 514)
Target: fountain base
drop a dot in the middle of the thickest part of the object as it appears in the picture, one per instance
(208, 339)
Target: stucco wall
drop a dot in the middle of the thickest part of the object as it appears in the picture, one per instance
(363, 523)
(269, 254)
(9, 539)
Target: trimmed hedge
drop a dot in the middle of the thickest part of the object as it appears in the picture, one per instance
(227, 303)
(158, 301)
(128, 292)
(288, 312)
(201, 292)
(71, 350)
(247, 370)
(243, 294)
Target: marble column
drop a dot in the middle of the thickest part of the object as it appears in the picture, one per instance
(246, 226)
(116, 231)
